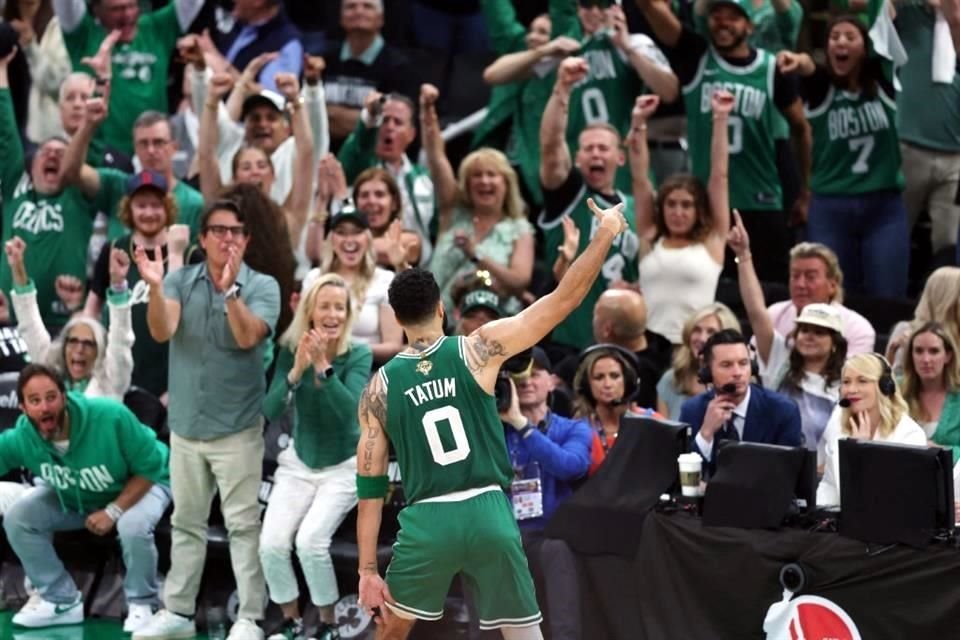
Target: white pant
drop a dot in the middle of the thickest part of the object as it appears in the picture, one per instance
(10, 492)
(306, 507)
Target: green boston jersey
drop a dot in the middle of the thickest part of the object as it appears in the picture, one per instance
(443, 426)
(140, 69)
(855, 144)
(754, 181)
(621, 263)
(56, 226)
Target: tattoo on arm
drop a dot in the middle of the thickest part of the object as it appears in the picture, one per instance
(373, 419)
(480, 350)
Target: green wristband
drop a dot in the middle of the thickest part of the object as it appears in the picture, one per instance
(372, 487)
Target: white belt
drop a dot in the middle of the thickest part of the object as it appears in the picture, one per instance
(460, 496)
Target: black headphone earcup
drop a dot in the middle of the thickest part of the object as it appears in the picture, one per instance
(704, 376)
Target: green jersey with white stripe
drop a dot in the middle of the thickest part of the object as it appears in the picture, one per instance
(754, 181)
(444, 427)
(856, 148)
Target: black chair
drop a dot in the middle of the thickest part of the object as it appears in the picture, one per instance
(149, 410)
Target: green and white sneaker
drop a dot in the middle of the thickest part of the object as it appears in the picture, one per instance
(42, 613)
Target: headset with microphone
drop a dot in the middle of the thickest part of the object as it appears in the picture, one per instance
(706, 377)
(886, 383)
(628, 363)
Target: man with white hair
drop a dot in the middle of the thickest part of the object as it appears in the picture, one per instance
(362, 63)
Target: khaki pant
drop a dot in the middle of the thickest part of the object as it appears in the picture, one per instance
(198, 468)
(931, 184)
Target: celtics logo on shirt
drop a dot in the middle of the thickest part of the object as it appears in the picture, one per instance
(134, 65)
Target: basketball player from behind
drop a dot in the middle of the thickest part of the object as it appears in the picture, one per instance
(435, 403)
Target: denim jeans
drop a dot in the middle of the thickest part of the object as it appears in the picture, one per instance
(32, 520)
(870, 236)
(449, 32)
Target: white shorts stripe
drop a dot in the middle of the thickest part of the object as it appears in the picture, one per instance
(422, 615)
(529, 621)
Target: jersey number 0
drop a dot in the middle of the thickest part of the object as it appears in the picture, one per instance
(451, 415)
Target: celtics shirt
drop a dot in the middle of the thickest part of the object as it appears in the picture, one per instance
(55, 227)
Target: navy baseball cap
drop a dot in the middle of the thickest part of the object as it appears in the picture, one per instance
(146, 179)
(348, 212)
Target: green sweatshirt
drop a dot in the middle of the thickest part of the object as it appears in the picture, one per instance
(108, 445)
(948, 427)
(325, 426)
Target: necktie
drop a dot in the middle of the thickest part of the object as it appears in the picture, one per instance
(729, 431)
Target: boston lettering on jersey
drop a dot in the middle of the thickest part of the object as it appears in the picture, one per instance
(853, 121)
(748, 102)
(432, 390)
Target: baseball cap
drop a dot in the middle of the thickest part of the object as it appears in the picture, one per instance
(739, 4)
(821, 315)
(541, 360)
(146, 179)
(264, 98)
(348, 212)
(481, 299)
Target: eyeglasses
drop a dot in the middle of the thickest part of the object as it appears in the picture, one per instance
(83, 342)
(221, 230)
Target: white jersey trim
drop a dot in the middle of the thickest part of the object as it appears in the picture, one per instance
(460, 496)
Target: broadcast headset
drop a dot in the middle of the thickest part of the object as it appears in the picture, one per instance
(628, 363)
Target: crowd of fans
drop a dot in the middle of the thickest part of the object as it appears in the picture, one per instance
(231, 254)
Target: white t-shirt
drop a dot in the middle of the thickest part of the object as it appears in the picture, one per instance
(828, 493)
(366, 327)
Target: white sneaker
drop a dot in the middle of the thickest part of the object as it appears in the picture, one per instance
(166, 625)
(138, 615)
(244, 629)
(41, 613)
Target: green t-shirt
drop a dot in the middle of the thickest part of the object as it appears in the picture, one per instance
(622, 261)
(855, 144)
(113, 185)
(141, 69)
(56, 227)
(754, 181)
(443, 426)
(929, 112)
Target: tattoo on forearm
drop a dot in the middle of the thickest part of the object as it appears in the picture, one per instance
(373, 406)
(480, 350)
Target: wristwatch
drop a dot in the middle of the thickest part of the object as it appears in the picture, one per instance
(326, 373)
(232, 293)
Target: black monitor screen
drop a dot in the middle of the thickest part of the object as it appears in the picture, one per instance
(893, 493)
(755, 485)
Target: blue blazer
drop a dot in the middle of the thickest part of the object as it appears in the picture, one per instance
(772, 418)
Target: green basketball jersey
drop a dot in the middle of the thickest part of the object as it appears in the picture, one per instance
(856, 148)
(444, 428)
(754, 181)
(607, 93)
(621, 264)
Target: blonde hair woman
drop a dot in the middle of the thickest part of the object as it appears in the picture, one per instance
(322, 372)
(680, 382)
(875, 411)
(482, 225)
(348, 251)
(939, 302)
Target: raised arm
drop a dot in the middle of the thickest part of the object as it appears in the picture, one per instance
(120, 339)
(372, 484)
(665, 25)
(247, 85)
(568, 250)
(489, 346)
(209, 135)
(163, 314)
(29, 321)
(298, 202)
(750, 290)
(517, 66)
(643, 196)
(644, 57)
(75, 170)
(555, 160)
(316, 104)
(800, 63)
(718, 189)
(441, 171)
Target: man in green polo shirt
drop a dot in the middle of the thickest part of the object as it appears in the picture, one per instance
(140, 60)
(154, 147)
(217, 316)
